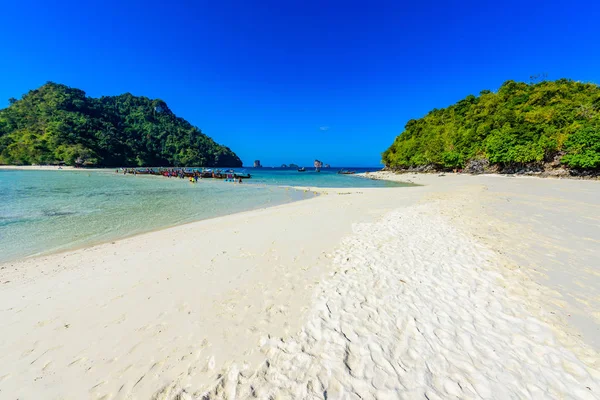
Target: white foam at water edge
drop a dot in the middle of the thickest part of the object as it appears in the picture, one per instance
(416, 310)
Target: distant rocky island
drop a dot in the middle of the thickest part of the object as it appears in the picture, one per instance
(547, 127)
(57, 124)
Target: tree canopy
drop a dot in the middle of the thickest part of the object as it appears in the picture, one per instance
(520, 124)
(56, 123)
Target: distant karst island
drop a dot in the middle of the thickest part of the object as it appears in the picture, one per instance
(57, 124)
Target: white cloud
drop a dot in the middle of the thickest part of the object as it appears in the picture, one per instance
(324, 128)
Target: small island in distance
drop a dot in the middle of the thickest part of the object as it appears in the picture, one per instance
(57, 124)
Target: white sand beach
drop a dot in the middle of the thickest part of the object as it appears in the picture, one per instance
(465, 287)
(39, 168)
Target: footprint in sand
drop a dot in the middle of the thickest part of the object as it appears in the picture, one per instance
(76, 361)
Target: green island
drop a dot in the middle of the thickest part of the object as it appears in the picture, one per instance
(537, 126)
(58, 124)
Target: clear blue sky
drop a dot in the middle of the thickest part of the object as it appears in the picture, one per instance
(291, 81)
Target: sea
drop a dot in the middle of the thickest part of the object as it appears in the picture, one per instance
(49, 211)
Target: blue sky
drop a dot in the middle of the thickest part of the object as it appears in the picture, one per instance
(291, 81)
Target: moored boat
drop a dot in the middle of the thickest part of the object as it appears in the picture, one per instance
(192, 173)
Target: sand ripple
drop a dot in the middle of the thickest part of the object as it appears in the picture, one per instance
(414, 309)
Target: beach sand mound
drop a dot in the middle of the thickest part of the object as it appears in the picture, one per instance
(413, 309)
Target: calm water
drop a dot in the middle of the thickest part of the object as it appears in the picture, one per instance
(326, 178)
(43, 211)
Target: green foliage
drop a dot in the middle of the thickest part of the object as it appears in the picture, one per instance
(583, 148)
(519, 124)
(56, 123)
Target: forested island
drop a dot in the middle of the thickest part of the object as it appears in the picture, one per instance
(523, 127)
(58, 124)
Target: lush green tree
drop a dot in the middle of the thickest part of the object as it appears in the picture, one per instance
(517, 125)
(583, 148)
(56, 123)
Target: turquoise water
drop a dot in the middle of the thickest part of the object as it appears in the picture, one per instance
(45, 211)
(325, 178)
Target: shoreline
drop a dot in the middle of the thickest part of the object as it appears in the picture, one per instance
(95, 242)
(251, 267)
(316, 191)
(46, 168)
(541, 175)
(538, 175)
(180, 311)
(92, 244)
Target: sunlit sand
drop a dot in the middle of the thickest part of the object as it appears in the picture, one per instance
(453, 289)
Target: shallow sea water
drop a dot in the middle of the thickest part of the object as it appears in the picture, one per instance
(46, 211)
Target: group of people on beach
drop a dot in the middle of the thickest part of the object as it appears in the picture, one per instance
(228, 178)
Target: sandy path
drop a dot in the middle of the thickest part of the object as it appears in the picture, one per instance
(416, 310)
(379, 293)
(548, 229)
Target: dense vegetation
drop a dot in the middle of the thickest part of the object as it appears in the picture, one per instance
(550, 122)
(56, 123)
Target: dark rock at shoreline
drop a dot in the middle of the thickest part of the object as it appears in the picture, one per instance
(550, 169)
(477, 166)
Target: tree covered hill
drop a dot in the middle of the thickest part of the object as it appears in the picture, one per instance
(540, 125)
(56, 123)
